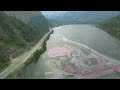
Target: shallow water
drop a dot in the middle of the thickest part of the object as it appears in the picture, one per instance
(87, 35)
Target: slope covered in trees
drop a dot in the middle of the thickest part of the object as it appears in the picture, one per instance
(35, 19)
(40, 24)
(16, 37)
(112, 26)
(54, 23)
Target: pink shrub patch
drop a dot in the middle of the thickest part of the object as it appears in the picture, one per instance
(69, 69)
(58, 51)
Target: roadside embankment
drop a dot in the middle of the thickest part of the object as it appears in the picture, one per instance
(41, 48)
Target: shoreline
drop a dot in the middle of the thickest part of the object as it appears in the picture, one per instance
(13, 70)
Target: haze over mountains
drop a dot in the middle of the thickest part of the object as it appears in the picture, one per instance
(35, 19)
(80, 16)
(24, 16)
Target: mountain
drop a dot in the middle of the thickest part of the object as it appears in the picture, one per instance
(112, 26)
(35, 19)
(24, 16)
(40, 24)
(80, 16)
(54, 23)
(16, 36)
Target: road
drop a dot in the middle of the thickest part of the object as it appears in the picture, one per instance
(16, 62)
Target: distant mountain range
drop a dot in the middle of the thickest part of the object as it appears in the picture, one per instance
(80, 16)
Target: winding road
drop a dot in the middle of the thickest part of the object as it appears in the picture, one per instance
(16, 62)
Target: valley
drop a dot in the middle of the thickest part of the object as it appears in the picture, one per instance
(59, 45)
(76, 54)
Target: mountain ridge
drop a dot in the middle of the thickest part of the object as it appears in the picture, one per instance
(81, 16)
(16, 37)
(111, 26)
(31, 19)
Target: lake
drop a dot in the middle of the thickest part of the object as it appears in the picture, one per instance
(84, 34)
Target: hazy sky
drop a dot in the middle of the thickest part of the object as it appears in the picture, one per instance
(53, 12)
(56, 13)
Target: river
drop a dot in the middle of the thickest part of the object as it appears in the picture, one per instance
(88, 35)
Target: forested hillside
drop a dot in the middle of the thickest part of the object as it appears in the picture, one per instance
(35, 19)
(17, 37)
(112, 26)
(54, 23)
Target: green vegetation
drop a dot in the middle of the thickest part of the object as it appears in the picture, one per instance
(13, 35)
(39, 24)
(65, 62)
(54, 23)
(14, 74)
(91, 61)
(4, 57)
(37, 54)
(70, 77)
(33, 58)
(16, 37)
(112, 26)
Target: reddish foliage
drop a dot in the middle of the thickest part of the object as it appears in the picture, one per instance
(69, 69)
(58, 51)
